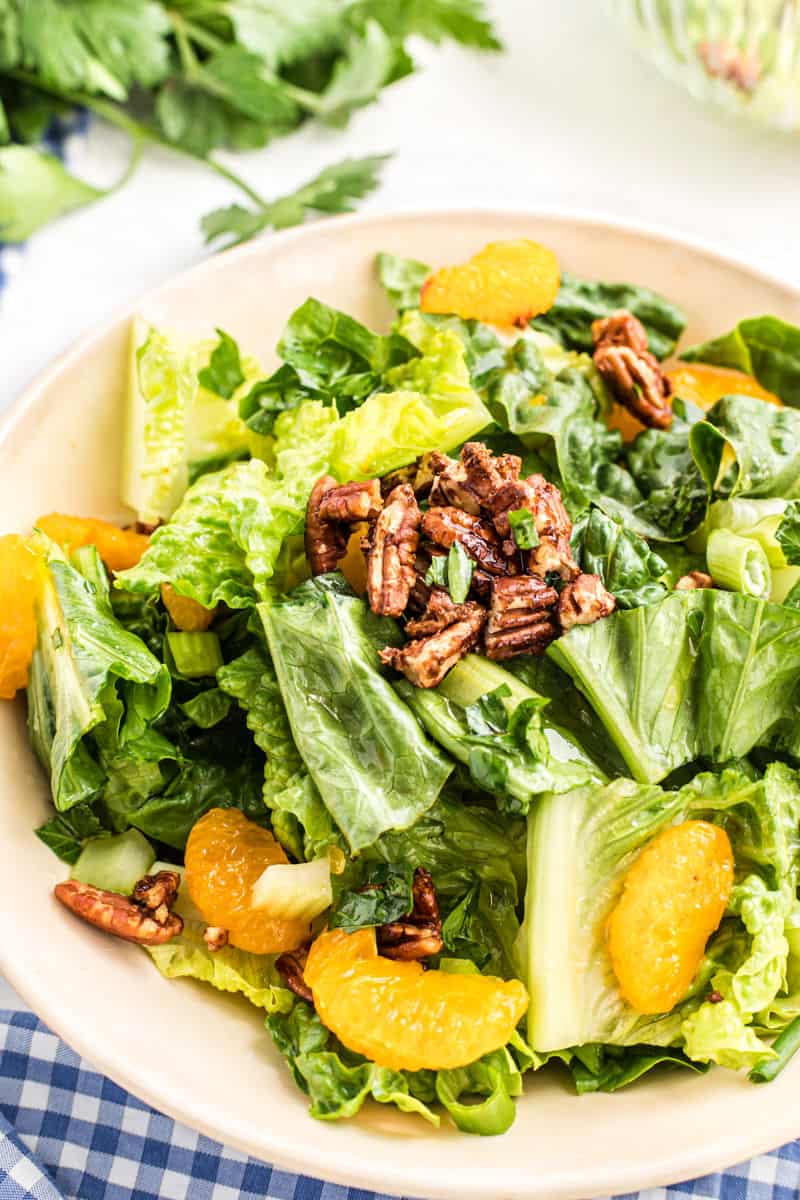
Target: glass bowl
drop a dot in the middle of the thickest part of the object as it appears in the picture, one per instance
(743, 55)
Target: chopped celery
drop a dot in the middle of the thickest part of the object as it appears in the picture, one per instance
(196, 655)
(738, 564)
(299, 891)
(115, 864)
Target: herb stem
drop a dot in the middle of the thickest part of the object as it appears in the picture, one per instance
(784, 1047)
(138, 132)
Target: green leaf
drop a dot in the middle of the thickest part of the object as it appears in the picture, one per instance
(335, 190)
(464, 21)
(580, 302)
(66, 832)
(523, 529)
(358, 76)
(374, 768)
(224, 374)
(384, 895)
(34, 189)
(229, 970)
(460, 569)
(748, 448)
(98, 46)
(281, 33)
(765, 347)
(714, 676)
(208, 708)
(616, 1068)
(401, 279)
(788, 533)
(631, 571)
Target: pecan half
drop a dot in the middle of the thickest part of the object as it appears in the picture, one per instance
(446, 525)
(724, 60)
(215, 938)
(290, 967)
(521, 620)
(471, 483)
(632, 373)
(693, 581)
(392, 553)
(332, 508)
(440, 612)
(156, 894)
(584, 601)
(551, 521)
(426, 661)
(123, 916)
(419, 934)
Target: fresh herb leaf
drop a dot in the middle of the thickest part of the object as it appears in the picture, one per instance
(401, 279)
(460, 569)
(66, 832)
(464, 21)
(224, 374)
(385, 894)
(523, 528)
(35, 188)
(334, 190)
(365, 68)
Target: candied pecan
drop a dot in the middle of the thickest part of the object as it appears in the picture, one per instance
(440, 612)
(419, 475)
(350, 503)
(215, 938)
(446, 525)
(584, 601)
(156, 894)
(419, 934)
(471, 483)
(550, 519)
(724, 60)
(290, 967)
(426, 661)
(116, 914)
(632, 373)
(392, 553)
(145, 527)
(693, 581)
(326, 542)
(520, 619)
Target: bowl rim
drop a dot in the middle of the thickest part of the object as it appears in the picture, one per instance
(681, 1162)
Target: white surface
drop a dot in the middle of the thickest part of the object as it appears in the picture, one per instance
(207, 1062)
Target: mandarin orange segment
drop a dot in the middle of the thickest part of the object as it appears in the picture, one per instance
(118, 548)
(505, 284)
(187, 615)
(405, 1018)
(19, 587)
(225, 855)
(704, 384)
(620, 418)
(673, 898)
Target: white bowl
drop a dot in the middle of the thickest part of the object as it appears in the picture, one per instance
(204, 1058)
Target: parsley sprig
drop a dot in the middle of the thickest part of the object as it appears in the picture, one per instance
(202, 75)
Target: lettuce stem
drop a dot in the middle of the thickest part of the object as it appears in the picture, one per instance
(738, 564)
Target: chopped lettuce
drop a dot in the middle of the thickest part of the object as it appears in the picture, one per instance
(629, 568)
(580, 302)
(765, 347)
(748, 448)
(229, 970)
(89, 676)
(599, 832)
(161, 390)
(704, 674)
(401, 279)
(371, 763)
(498, 727)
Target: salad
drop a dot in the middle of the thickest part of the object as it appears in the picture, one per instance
(442, 701)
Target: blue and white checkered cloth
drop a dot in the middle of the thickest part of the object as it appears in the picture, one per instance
(67, 1133)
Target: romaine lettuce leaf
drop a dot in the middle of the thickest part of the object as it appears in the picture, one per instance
(628, 567)
(371, 763)
(575, 999)
(515, 756)
(581, 301)
(161, 391)
(401, 279)
(87, 672)
(765, 347)
(704, 674)
(300, 819)
(215, 430)
(229, 970)
(748, 448)
(609, 1068)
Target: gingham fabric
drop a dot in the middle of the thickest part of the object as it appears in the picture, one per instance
(68, 1133)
